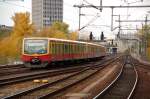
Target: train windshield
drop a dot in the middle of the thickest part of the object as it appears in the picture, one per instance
(35, 46)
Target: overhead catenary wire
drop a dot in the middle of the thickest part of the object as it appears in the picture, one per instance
(91, 21)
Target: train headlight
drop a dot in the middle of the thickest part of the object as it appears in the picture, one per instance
(35, 61)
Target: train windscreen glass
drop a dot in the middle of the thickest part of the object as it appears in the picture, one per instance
(35, 46)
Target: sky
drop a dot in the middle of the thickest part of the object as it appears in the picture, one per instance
(99, 21)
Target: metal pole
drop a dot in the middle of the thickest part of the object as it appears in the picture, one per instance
(119, 27)
(101, 4)
(145, 33)
(112, 18)
(79, 18)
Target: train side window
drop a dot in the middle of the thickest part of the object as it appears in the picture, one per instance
(75, 50)
(53, 48)
(70, 48)
(81, 48)
(54, 45)
(56, 50)
(60, 48)
(78, 48)
(57, 47)
(50, 48)
(65, 48)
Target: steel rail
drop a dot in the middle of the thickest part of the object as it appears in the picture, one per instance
(105, 89)
(68, 86)
(115, 81)
(25, 77)
(136, 81)
(39, 87)
(62, 89)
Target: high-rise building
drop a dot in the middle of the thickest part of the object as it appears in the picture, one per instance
(45, 12)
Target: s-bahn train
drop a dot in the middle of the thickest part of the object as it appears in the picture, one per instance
(39, 52)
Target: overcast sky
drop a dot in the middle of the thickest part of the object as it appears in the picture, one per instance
(8, 8)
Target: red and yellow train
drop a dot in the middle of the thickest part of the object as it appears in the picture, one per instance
(39, 52)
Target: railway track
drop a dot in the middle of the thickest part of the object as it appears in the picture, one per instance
(6, 70)
(142, 90)
(55, 87)
(39, 74)
(11, 66)
(87, 71)
(123, 86)
(12, 69)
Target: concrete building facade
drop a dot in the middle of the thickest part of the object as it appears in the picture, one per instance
(45, 12)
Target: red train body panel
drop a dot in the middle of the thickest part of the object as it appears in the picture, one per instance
(39, 52)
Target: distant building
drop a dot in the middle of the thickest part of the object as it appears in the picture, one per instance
(45, 12)
(4, 27)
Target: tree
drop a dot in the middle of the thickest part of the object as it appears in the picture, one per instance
(57, 30)
(144, 35)
(61, 26)
(11, 46)
(22, 25)
(73, 36)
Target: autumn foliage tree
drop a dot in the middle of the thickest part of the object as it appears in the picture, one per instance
(57, 30)
(22, 25)
(73, 36)
(11, 46)
(144, 35)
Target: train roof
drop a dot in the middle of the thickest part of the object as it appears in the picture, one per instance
(63, 40)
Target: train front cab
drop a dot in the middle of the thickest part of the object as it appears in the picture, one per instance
(32, 54)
